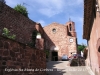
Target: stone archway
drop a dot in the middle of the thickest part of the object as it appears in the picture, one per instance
(54, 53)
(54, 56)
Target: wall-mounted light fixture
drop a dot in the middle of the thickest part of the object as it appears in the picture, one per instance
(98, 6)
(38, 36)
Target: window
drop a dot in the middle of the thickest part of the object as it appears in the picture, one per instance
(70, 27)
(54, 30)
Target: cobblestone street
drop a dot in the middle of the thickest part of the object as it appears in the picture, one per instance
(63, 68)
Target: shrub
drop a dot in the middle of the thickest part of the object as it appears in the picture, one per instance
(6, 33)
(21, 9)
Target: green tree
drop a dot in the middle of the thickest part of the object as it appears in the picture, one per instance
(6, 33)
(81, 47)
(22, 9)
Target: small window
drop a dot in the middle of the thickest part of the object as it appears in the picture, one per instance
(54, 30)
(70, 27)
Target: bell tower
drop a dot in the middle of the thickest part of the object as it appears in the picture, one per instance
(72, 38)
(71, 28)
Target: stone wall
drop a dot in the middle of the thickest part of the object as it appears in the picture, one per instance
(18, 24)
(94, 46)
(15, 55)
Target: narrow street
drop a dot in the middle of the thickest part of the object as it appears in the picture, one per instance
(63, 68)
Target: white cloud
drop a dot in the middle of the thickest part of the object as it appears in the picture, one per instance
(48, 8)
(13, 3)
(49, 12)
(50, 3)
(42, 22)
(78, 20)
(53, 7)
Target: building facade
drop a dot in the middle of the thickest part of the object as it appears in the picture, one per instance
(60, 40)
(25, 29)
(57, 38)
(92, 33)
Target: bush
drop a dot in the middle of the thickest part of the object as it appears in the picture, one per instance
(21, 9)
(74, 62)
(6, 33)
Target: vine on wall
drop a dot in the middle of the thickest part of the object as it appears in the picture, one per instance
(7, 34)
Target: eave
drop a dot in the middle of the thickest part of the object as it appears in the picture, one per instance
(88, 17)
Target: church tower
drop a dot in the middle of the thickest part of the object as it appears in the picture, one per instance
(71, 28)
(72, 37)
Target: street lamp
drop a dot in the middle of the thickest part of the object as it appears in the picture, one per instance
(1, 4)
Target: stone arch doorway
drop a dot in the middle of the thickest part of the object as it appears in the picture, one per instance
(98, 52)
(54, 56)
(54, 53)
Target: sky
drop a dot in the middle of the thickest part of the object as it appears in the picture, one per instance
(49, 11)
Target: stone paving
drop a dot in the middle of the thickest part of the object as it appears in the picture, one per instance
(63, 68)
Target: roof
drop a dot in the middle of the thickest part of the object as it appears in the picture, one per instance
(89, 6)
(54, 24)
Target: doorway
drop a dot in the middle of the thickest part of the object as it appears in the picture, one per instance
(54, 56)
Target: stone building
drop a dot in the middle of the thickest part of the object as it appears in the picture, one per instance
(18, 54)
(60, 40)
(57, 38)
(92, 34)
(25, 29)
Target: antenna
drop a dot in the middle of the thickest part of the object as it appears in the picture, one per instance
(69, 18)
